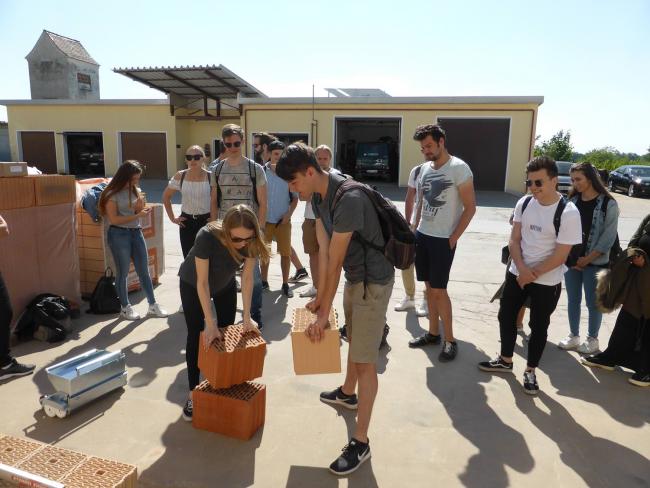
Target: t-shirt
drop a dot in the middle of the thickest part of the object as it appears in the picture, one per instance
(125, 202)
(237, 186)
(441, 203)
(538, 239)
(412, 183)
(354, 213)
(586, 209)
(309, 213)
(278, 196)
(221, 267)
(195, 195)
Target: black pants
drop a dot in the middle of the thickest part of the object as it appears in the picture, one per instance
(225, 303)
(629, 344)
(543, 300)
(192, 225)
(6, 314)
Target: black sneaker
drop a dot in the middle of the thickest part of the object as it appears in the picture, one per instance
(188, 410)
(337, 397)
(530, 383)
(425, 340)
(598, 361)
(265, 285)
(343, 331)
(14, 368)
(354, 454)
(286, 291)
(497, 365)
(640, 379)
(300, 275)
(384, 342)
(449, 351)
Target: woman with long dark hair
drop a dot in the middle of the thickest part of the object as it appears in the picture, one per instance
(208, 276)
(123, 206)
(599, 216)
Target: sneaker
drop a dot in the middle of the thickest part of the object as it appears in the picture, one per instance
(265, 285)
(530, 383)
(14, 368)
(405, 304)
(309, 293)
(640, 379)
(424, 340)
(337, 397)
(129, 314)
(188, 410)
(497, 365)
(354, 454)
(343, 332)
(569, 342)
(598, 361)
(300, 275)
(180, 309)
(590, 346)
(384, 342)
(156, 310)
(422, 309)
(449, 351)
(286, 291)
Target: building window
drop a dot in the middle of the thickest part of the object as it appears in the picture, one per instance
(84, 81)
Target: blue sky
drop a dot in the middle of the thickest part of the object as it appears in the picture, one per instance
(589, 59)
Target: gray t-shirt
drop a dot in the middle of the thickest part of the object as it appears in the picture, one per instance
(354, 213)
(125, 202)
(221, 267)
(236, 184)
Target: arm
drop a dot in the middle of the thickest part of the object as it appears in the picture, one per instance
(261, 197)
(214, 207)
(526, 275)
(634, 240)
(292, 207)
(408, 203)
(211, 331)
(167, 202)
(467, 196)
(247, 293)
(4, 228)
(556, 259)
(114, 219)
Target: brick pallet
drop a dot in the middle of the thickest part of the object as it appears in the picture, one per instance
(315, 357)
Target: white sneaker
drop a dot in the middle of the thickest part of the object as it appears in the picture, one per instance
(129, 314)
(405, 304)
(309, 293)
(156, 311)
(422, 309)
(180, 309)
(589, 346)
(570, 342)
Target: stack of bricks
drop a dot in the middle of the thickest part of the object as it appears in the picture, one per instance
(70, 468)
(315, 357)
(228, 402)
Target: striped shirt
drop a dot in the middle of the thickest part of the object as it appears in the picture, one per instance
(195, 195)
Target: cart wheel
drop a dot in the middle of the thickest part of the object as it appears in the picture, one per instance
(50, 411)
(61, 413)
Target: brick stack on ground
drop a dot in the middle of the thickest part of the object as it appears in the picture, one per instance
(227, 402)
(315, 357)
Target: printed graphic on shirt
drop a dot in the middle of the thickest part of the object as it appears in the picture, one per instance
(434, 185)
(235, 188)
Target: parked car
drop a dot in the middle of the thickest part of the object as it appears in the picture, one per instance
(564, 178)
(372, 160)
(632, 179)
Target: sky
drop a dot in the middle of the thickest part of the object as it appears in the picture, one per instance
(590, 60)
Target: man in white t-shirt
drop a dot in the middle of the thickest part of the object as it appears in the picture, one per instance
(545, 227)
(446, 205)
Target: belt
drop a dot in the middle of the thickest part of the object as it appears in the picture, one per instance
(124, 228)
(196, 216)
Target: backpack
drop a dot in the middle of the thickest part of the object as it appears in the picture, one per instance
(47, 313)
(90, 199)
(251, 172)
(399, 240)
(104, 298)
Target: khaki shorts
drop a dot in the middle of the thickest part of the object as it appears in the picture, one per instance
(309, 239)
(365, 319)
(280, 233)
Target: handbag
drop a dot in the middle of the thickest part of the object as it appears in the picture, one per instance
(104, 299)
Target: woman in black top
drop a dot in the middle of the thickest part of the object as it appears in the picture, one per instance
(208, 276)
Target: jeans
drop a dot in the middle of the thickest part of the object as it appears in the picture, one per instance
(256, 299)
(6, 314)
(575, 281)
(191, 227)
(127, 244)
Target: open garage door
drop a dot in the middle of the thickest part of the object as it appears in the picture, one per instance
(483, 144)
(368, 148)
(150, 148)
(85, 153)
(38, 150)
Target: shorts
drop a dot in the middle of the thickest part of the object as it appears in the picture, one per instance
(280, 233)
(433, 259)
(309, 239)
(365, 318)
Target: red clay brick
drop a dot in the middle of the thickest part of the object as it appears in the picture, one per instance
(52, 463)
(102, 473)
(236, 412)
(13, 450)
(237, 358)
(315, 357)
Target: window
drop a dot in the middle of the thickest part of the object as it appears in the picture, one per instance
(84, 81)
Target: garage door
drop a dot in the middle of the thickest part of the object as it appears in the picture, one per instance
(148, 148)
(483, 144)
(39, 150)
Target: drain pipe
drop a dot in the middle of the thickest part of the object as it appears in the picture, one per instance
(314, 122)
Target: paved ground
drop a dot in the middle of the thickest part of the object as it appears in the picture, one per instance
(434, 423)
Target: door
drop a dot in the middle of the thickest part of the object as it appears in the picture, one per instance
(39, 150)
(149, 148)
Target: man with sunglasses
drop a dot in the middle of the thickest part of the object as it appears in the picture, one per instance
(234, 180)
(544, 229)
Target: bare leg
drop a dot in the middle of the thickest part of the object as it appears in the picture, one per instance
(367, 380)
(264, 268)
(520, 318)
(285, 265)
(295, 260)
(434, 322)
(313, 267)
(443, 308)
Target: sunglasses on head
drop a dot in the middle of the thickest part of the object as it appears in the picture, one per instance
(231, 144)
(195, 157)
(537, 183)
(237, 240)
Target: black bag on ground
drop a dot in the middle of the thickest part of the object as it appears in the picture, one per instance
(47, 313)
(104, 298)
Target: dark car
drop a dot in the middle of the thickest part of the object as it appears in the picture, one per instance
(564, 178)
(372, 160)
(632, 179)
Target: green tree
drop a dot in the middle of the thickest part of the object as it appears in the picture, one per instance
(558, 147)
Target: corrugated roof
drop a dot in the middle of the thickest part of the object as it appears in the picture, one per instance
(71, 48)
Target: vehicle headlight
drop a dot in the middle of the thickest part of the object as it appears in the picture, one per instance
(638, 181)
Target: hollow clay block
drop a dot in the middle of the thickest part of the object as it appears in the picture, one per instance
(237, 358)
(102, 473)
(14, 450)
(236, 412)
(52, 463)
(315, 357)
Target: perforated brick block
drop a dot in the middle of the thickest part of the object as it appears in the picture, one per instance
(52, 463)
(237, 411)
(315, 357)
(237, 358)
(102, 473)
(13, 450)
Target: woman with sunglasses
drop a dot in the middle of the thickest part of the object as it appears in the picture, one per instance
(123, 206)
(599, 216)
(208, 276)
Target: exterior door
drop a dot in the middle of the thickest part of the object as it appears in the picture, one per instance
(39, 150)
(148, 148)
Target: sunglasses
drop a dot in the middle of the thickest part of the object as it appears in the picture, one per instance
(231, 144)
(238, 240)
(195, 157)
(538, 183)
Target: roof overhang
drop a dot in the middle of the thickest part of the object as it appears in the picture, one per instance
(487, 100)
(48, 101)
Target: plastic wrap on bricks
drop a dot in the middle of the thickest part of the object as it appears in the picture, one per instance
(315, 357)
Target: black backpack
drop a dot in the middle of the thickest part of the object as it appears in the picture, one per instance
(46, 311)
(104, 298)
(399, 240)
(251, 172)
